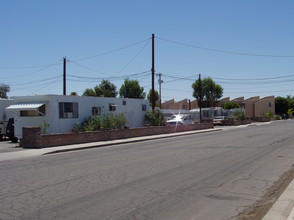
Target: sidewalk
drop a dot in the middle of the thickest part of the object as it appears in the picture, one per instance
(283, 209)
(50, 150)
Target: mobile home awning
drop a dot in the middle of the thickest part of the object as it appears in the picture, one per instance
(25, 106)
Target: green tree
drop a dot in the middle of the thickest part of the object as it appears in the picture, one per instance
(4, 89)
(149, 95)
(74, 94)
(106, 89)
(207, 91)
(132, 89)
(231, 105)
(282, 105)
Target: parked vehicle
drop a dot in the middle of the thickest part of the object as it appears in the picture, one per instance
(220, 120)
(184, 119)
(4, 116)
(10, 130)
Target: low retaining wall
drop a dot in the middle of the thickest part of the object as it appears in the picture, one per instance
(261, 119)
(32, 137)
(233, 122)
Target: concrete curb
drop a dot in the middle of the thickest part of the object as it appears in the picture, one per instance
(283, 208)
(76, 147)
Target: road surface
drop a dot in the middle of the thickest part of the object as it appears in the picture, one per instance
(218, 175)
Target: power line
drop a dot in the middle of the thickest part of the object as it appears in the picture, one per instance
(136, 55)
(33, 82)
(108, 78)
(31, 67)
(256, 79)
(225, 51)
(264, 91)
(88, 68)
(50, 85)
(112, 51)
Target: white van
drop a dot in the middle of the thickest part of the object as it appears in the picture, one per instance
(184, 119)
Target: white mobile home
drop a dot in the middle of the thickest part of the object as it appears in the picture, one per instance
(62, 112)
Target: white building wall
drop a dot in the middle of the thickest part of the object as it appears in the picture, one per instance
(132, 111)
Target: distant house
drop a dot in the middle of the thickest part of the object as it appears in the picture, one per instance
(184, 104)
(264, 105)
(62, 112)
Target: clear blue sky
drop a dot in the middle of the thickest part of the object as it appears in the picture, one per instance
(112, 40)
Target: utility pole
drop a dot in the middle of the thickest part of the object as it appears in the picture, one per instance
(153, 73)
(64, 75)
(200, 99)
(159, 82)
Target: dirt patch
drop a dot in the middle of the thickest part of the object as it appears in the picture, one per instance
(258, 209)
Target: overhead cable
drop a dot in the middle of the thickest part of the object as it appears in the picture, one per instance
(255, 79)
(225, 51)
(31, 67)
(112, 51)
(109, 78)
(136, 55)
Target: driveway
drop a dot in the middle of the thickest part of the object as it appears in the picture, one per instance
(8, 146)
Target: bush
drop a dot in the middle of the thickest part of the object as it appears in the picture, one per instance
(278, 117)
(102, 122)
(269, 114)
(290, 113)
(239, 115)
(155, 118)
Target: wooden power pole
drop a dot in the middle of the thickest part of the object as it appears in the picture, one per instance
(153, 73)
(200, 99)
(64, 75)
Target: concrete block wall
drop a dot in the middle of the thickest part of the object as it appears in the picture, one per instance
(32, 137)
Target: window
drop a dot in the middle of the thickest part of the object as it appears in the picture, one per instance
(96, 110)
(124, 102)
(34, 112)
(68, 110)
(144, 108)
(112, 107)
(269, 104)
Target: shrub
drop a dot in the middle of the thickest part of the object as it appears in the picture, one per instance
(44, 125)
(102, 122)
(155, 118)
(290, 112)
(269, 114)
(278, 117)
(239, 115)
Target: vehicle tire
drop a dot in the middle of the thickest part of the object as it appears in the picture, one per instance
(14, 139)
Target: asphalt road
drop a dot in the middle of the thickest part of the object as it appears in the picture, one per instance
(213, 175)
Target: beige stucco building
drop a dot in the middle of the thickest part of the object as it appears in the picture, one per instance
(254, 106)
(184, 104)
(264, 105)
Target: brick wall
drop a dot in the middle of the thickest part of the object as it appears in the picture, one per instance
(32, 137)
